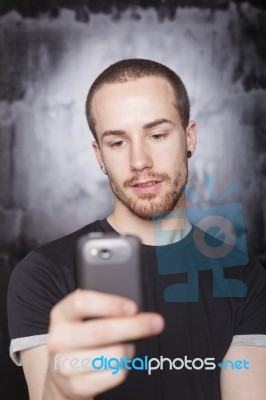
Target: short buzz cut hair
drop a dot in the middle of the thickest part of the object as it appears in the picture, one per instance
(136, 68)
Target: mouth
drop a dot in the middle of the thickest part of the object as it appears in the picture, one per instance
(145, 184)
(147, 187)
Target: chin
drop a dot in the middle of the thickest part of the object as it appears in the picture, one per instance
(151, 206)
(153, 211)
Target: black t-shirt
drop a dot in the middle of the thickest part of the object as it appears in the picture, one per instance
(202, 320)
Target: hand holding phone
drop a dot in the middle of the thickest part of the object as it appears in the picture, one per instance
(86, 325)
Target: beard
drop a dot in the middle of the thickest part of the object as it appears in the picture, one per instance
(153, 205)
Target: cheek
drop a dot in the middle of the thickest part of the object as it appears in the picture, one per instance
(172, 148)
(170, 156)
(116, 167)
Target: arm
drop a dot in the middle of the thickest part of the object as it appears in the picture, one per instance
(245, 384)
(35, 362)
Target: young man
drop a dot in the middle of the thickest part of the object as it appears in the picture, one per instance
(138, 112)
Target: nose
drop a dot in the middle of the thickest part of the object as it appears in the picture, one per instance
(140, 156)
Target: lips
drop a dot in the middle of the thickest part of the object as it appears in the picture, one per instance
(144, 184)
(146, 188)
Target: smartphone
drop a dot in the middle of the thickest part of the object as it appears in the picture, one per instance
(110, 263)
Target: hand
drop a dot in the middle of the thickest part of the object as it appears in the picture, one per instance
(71, 340)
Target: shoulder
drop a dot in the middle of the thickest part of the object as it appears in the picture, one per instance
(62, 250)
(50, 265)
(39, 281)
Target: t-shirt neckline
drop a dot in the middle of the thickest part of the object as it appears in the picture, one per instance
(152, 249)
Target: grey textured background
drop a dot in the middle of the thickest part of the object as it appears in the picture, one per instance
(50, 183)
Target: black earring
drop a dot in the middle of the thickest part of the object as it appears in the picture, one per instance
(189, 154)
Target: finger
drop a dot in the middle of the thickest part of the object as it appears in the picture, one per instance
(82, 304)
(80, 362)
(103, 332)
(90, 385)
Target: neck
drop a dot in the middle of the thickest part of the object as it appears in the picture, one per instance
(169, 229)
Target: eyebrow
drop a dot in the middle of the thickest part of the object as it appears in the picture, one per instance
(147, 126)
(157, 122)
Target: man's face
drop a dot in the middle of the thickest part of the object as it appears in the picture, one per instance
(142, 145)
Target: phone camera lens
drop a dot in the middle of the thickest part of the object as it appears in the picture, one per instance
(105, 254)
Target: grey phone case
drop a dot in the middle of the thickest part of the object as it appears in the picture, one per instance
(118, 274)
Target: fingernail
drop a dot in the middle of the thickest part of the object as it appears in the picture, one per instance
(129, 308)
(157, 324)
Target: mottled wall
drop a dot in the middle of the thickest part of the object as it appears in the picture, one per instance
(50, 181)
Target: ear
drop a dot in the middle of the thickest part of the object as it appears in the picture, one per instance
(191, 136)
(98, 154)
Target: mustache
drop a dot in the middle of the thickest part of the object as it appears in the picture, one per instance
(148, 177)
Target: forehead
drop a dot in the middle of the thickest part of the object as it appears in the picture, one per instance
(119, 105)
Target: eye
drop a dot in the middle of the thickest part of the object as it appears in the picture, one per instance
(158, 136)
(117, 144)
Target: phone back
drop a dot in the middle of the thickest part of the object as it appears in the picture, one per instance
(110, 263)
